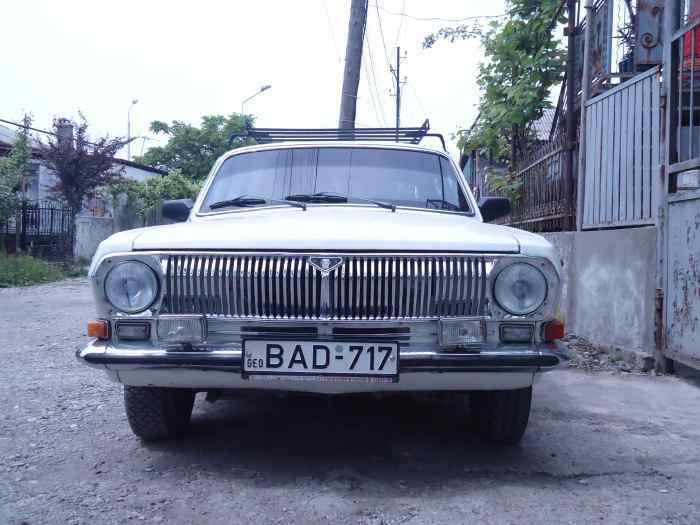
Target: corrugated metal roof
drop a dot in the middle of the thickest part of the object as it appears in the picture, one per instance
(543, 125)
(8, 136)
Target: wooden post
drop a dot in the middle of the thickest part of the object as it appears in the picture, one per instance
(353, 61)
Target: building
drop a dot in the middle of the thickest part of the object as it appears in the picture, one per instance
(46, 226)
(41, 179)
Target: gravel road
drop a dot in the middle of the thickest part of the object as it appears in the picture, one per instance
(601, 447)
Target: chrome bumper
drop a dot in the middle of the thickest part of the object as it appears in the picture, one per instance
(493, 367)
(488, 358)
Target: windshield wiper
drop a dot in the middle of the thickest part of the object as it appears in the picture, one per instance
(248, 200)
(325, 196)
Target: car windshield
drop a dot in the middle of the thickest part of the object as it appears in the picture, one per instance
(394, 176)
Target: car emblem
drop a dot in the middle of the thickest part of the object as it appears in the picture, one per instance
(324, 266)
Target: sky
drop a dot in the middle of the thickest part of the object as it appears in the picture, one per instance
(182, 60)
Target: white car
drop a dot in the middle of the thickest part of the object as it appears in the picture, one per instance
(329, 267)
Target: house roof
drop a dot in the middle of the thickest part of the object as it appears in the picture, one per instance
(543, 125)
(8, 136)
(143, 167)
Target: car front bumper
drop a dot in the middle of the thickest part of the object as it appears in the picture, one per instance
(492, 367)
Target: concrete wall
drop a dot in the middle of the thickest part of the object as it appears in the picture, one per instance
(89, 233)
(609, 286)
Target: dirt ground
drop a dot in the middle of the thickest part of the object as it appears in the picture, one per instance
(602, 447)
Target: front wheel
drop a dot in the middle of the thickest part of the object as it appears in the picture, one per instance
(158, 413)
(501, 416)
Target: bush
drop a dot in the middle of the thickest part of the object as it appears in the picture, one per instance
(24, 270)
(152, 193)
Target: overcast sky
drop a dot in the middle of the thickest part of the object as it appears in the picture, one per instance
(182, 60)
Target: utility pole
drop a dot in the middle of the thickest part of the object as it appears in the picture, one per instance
(353, 61)
(128, 129)
(585, 92)
(397, 78)
(571, 100)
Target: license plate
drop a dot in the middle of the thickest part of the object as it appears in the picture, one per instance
(320, 359)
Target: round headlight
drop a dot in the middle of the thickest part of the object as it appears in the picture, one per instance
(131, 287)
(520, 288)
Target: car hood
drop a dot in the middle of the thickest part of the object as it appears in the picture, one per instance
(332, 228)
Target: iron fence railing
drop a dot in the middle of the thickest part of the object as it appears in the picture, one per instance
(684, 99)
(46, 229)
(545, 201)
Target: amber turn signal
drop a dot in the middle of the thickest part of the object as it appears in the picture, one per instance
(99, 329)
(553, 330)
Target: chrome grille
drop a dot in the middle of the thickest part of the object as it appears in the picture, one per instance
(287, 286)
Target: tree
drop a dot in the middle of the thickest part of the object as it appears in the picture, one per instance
(152, 193)
(13, 169)
(193, 150)
(81, 167)
(523, 60)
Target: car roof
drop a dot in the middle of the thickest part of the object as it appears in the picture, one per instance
(336, 144)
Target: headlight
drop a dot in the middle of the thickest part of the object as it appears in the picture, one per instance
(520, 288)
(131, 287)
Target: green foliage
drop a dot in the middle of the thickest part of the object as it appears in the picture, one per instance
(523, 60)
(24, 270)
(13, 168)
(193, 150)
(172, 186)
(506, 184)
(461, 32)
(152, 193)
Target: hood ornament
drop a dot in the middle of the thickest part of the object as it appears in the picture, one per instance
(324, 264)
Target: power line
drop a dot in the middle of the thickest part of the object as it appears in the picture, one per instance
(403, 16)
(371, 89)
(330, 29)
(438, 19)
(373, 78)
(381, 32)
(415, 95)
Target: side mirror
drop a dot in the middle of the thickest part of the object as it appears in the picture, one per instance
(494, 207)
(177, 210)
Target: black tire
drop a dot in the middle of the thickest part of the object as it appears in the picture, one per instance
(158, 413)
(501, 416)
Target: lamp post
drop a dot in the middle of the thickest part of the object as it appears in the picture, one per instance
(128, 129)
(263, 88)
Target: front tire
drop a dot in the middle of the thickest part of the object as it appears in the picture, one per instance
(501, 416)
(158, 413)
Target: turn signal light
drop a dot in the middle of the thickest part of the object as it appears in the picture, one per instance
(553, 330)
(98, 329)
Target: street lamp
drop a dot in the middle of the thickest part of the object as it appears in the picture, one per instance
(264, 88)
(128, 129)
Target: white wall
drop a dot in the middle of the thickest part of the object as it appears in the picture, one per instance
(47, 178)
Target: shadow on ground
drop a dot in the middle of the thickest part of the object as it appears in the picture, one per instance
(382, 438)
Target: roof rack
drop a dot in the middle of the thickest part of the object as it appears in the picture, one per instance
(403, 135)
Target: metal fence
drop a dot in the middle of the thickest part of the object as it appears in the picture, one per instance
(623, 154)
(46, 229)
(545, 202)
(684, 81)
